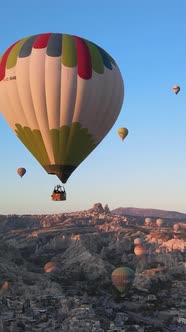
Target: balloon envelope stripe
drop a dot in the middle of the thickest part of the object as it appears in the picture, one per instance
(26, 48)
(79, 145)
(69, 56)
(63, 141)
(83, 58)
(54, 46)
(55, 144)
(42, 41)
(105, 58)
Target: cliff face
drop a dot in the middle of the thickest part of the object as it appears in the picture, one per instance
(85, 247)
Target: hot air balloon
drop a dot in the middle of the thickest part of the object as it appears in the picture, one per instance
(159, 222)
(122, 278)
(138, 241)
(61, 95)
(21, 171)
(139, 250)
(176, 227)
(176, 89)
(123, 132)
(52, 267)
(148, 221)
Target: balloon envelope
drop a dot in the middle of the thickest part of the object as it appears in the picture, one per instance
(61, 94)
(159, 222)
(139, 250)
(176, 227)
(176, 89)
(138, 241)
(21, 171)
(122, 278)
(51, 267)
(148, 221)
(123, 132)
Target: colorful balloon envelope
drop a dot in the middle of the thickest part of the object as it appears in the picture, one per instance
(52, 267)
(123, 132)
(21, 171)
(176, 89)
(122, 278)
(139, 250)
(61, 94)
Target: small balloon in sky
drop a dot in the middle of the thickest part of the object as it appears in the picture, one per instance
(21, 171)
(123, 132)
(176, 89)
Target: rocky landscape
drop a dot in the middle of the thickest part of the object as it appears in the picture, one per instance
(55, 273)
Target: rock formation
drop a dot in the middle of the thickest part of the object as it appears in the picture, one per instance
(55, 273)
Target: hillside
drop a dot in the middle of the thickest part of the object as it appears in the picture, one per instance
(56, 273)
(138, 212)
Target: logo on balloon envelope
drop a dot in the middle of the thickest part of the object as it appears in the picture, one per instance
(10, 78)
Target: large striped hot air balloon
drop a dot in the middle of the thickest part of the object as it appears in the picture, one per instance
(122, 278)
(60, 94)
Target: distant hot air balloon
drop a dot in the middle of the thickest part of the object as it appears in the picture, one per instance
(61, 95)
(139, 250)
(159, 222)
(123, 132)
(176, 89)
(122, 278)
(52, 267)
(176, 227)
(148, 221)
(4, 288)
(138, 241)
(21, 171)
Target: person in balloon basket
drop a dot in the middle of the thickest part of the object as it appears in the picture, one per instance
(59, 189)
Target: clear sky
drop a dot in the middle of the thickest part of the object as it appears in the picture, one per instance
(147, 170)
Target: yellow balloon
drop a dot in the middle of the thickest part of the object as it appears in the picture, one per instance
(123, 132)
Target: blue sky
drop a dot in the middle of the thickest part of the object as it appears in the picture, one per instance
(147, 170)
